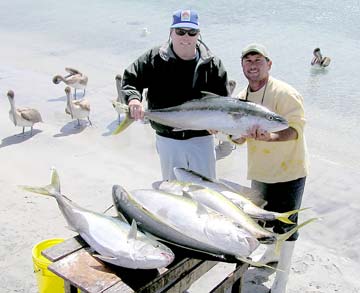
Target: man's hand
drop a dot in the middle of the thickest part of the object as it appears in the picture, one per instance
(136, 109)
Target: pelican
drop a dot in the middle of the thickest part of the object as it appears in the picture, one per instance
(23, 117)
(319, 59)
(145, 32)
(232, 86)
(77, 109)
(75, 79)
(120, 97)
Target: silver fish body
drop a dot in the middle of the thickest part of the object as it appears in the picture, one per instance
(116, 241)
(224, 114)
(196, 226)
(216, 201)
(229, 192)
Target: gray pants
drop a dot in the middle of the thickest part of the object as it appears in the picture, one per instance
(197, 154)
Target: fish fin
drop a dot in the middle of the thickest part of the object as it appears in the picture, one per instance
(201, 209)
(104, 257)
(157, 184)
(133, 230)
(283, 237)
(187, 194)
(51, 189)
(206, 94)
(173, 186)
(109, 208)
(284, 217)
(194, 187)
(254, 263)
(126, 121)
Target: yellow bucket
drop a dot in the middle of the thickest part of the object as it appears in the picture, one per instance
(47, 281)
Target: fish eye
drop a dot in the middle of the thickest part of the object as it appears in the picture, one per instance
(270, 117)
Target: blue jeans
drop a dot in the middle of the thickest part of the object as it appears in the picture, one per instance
(282, 197)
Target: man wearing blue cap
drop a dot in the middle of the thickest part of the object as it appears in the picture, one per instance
(174, 73)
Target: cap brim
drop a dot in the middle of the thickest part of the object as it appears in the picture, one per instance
(254, 51)
(185, 25)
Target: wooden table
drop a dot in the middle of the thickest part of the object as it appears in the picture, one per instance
(72, 261)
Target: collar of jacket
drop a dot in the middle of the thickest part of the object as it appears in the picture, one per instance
(206, 55)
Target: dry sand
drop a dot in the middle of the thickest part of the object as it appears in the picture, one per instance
(90, 160)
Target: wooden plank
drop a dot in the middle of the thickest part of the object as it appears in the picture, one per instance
(165, 278)
(185, 280)
(170, 276)
(85, 272)
(233, 280)
(63, 249)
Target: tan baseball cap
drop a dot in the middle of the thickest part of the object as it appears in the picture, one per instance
(256, 48)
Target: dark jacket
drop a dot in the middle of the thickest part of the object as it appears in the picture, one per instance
(172, 81)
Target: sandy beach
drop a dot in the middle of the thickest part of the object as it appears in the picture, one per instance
(90, 161)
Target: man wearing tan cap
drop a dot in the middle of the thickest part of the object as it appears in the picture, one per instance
(277, 162)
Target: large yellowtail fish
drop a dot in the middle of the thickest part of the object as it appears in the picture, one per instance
(237, 198)
(224, 206)
(116, 241)
(185, 222)
(224, 114)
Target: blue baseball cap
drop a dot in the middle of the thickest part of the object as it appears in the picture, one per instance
(185, 18)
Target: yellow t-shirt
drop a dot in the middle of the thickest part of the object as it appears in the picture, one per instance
(272, 162)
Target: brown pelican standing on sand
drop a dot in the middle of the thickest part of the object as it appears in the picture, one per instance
(319, 59)
(120, 97)
(23, 117)
(77, 109)
(74, 79)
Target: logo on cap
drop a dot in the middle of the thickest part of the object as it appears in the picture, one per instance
(185, 15)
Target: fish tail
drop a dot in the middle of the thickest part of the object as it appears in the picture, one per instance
(51, 190)
(254, 263)
(126, 121)
(283, 237)
(284, 217)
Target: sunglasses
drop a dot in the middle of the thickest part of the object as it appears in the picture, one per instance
(182, 32)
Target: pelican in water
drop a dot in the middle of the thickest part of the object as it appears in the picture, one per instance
(23, 117)
(77, 109)
(74, 79)
(319, 59)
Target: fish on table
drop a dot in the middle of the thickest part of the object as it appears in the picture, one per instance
(223, 114)
(115, 241)
(235, 196)
(185, 222)
(216, 201)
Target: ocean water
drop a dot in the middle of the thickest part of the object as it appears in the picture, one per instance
(109, 36)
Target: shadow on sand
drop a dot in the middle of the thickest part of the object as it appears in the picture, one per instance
(58, 99)
(72, 128)
(18, 138)
(255, 278)
(111, 127)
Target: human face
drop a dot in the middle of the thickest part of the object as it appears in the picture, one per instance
(256, 67)
(184, 44)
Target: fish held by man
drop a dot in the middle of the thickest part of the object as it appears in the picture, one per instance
(116, 241)
(224, 114)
